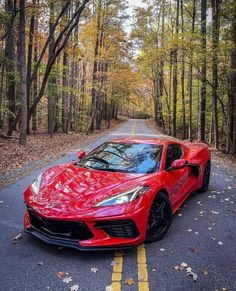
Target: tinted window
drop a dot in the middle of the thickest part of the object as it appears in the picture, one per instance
(174, 152)
(124, 157)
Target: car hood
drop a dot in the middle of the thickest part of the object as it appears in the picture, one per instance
(70, 187)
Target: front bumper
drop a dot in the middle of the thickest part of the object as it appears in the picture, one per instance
(113, 232)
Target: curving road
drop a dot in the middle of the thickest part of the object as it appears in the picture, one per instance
(203, 235)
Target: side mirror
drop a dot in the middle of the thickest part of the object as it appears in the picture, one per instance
(178, 164)
(81, 154)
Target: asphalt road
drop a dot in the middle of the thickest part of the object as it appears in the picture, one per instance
(203, 235)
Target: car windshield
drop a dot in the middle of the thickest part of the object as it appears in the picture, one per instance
(135, 158)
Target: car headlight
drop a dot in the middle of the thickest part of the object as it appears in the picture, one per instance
(37, 184)
(125, 197)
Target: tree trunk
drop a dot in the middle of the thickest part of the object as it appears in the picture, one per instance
(64, 92)
(52, 79)
(94, 93)
(202, 99)
(170, 93)
(22, 67)
(10, 56)
(29, 61)
(215, 4)
(175, 78)
(183, 78)
(1, 94)
(161, 81)
(35, 83)
(190, 80)
(233, 79)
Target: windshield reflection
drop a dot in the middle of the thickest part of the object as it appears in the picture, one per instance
(124, 157)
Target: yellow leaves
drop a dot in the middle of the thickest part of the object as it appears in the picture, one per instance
(129, 281)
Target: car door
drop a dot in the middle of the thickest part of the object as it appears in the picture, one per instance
(176, 179)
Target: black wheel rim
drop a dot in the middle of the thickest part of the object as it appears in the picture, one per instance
(158, 217)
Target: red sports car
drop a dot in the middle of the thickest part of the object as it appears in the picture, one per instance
(119, 195)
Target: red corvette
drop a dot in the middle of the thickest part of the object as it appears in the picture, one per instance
(119, 195)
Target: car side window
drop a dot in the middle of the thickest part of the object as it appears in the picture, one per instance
(174, 152)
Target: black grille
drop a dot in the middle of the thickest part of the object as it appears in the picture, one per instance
(119, 228)
(60, 228)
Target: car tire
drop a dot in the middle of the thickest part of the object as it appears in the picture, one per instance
(159, 219)
(206, 178)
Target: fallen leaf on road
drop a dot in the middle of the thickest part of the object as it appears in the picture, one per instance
(189, 230)
(205, 272)
(196, 232)
(202, 212)
(162, 250)
(93, 270)
(1, 201)
(194, 250)
(17, 238)
(214, 212)
(61, 275)
(129, 281)
(194, 276)
(141, 278)
(74, 288)
(67, 280)
(220, 243)
(180, 267)
(40, 263)
(153, 270)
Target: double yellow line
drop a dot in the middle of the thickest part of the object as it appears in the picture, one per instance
(116, 276)
(133, 130)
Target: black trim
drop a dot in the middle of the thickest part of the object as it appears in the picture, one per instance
(195, 169)
(124, 228)
(69, 243)
(72, 230)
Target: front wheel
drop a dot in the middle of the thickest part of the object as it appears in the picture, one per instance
(159, 219)
(206, 178)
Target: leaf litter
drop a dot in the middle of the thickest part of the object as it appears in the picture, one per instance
(129, 281)
(17, 238)
(74, 288)
(183, 266)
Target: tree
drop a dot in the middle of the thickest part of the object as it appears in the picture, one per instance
(215, 4)
(10, 57)
(233, 81)
(22, 68)
(190, 79)
(175, 74)
(202, 98)
(60, 44)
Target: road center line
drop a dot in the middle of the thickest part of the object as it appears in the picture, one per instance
(133, 131)
(143, 284)
(117, 271)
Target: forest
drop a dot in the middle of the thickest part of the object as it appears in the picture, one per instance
(71, 66)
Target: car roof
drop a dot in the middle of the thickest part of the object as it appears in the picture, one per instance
(159, 140)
